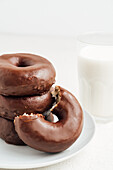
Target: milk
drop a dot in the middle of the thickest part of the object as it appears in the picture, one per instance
(95, 70)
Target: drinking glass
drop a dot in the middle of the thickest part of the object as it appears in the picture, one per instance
(95, 74)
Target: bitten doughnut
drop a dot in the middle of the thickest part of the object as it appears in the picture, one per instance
(14, 106)
(8, 133)
(46, 136)
(24, 74)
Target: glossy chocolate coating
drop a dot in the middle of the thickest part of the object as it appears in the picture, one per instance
(53, 137)
(14, 106)
(25, 74)
(8, 133)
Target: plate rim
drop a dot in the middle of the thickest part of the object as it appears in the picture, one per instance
(58, 160)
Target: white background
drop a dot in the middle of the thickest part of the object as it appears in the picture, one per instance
(56, 17)
(57, 22)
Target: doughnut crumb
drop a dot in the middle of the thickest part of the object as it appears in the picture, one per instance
(57, 95)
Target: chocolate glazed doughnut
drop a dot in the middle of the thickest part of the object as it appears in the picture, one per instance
(46, 136)
(14, 106)
(25, 74)
(8, 133)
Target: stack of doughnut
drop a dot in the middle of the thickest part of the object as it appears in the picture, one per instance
(28, 102)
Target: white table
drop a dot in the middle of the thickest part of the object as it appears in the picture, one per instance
(61, 51)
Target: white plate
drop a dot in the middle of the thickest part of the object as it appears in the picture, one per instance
(20, 157)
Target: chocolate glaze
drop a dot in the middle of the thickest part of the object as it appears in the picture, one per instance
(14, 106)
(24, 74)
(8, 133)
(53, 137)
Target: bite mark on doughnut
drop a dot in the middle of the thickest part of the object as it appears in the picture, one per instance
(57, 97)
(30, 117)
(56, 94)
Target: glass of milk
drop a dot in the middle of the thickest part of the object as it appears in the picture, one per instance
(95, 73)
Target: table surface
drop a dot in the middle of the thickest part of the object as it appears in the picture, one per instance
(61, 51)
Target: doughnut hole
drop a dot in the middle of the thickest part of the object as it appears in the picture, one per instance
(55, 118)
(24, 62)
(21, 62)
